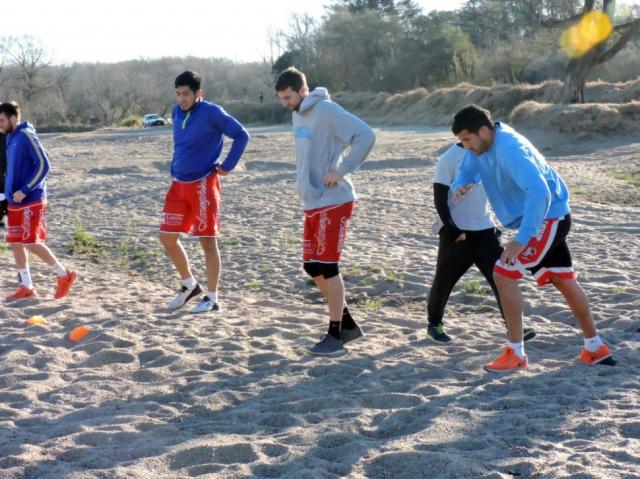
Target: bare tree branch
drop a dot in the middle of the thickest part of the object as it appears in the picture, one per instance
(631, 30)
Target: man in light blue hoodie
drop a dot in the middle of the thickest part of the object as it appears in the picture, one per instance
(527, 195)
(323, 131)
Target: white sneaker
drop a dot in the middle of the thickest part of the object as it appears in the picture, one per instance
(184, 295)
(206, 305)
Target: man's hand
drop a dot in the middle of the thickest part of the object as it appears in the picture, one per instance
(460, 192)
(462, 237)
(221, 172)
(511, 251)
(331, 179)
(18, 196)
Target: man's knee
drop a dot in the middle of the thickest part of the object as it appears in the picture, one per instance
(501, 280)
(209, 245)
(168, 239)
(326, 270)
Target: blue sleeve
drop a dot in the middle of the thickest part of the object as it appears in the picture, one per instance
(33, 148)
(467, 172)
(232, 128)
(524, 172)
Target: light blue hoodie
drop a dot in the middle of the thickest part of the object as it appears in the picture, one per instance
(521, 186)
(323, 131)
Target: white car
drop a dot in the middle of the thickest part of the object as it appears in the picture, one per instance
(153, 120)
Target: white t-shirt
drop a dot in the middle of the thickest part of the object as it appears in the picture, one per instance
(472, 213)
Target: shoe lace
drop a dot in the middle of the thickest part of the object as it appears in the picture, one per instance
(440, 329)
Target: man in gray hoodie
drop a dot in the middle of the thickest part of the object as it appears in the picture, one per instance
(323, 131)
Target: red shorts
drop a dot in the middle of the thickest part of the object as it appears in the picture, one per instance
(27, 223)
(546, 255)
(325, 232)
(193, 207)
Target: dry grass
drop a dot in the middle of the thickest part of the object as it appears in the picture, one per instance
(613, 107)
(603, 118)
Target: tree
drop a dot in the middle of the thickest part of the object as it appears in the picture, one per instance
(437, 51)
(30, 58)
(300, 46)
(356, 48)
(579, 68)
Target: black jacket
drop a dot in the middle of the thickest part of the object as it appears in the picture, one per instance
(3, 158)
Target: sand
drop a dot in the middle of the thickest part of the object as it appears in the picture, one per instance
(155, 394)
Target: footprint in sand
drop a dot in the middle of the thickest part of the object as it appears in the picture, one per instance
(630, 430)
(155, 358)
(146, 376)
(203, 470)
(271, 470)
(389, 401)
(407, 465)
(264, 332)
(427, 391)
(107, 357)
(259, 359)
(274, 450)
(232, 454)
(102, 439)
(279, 421)
(14, 400)
(306, 406)
(335, 440)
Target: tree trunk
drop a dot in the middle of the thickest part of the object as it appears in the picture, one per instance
(573, 89)
(577, 73)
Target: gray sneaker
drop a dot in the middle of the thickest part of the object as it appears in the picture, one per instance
(329, 346)
(348, 335)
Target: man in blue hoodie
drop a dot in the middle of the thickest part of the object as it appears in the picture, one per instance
(26, 191)
(323, 131)
(529, 196)
(193, 201)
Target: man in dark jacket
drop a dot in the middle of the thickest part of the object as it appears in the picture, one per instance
(3, 173)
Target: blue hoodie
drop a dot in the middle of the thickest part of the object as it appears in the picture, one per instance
(27, 165)
(198, 139)
(521, 186)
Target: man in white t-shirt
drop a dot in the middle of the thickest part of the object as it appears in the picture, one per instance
(468, 236)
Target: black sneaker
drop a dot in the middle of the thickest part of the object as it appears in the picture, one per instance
(528, 333)
(437, 334)
(329, 346)
(348, 335)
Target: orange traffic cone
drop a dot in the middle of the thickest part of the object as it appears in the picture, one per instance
(78, 334)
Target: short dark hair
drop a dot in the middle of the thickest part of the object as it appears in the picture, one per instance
(190, 79)
(291, 77)
(10, 108)
(471, 118)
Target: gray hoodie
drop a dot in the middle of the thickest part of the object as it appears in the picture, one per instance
(323, 131)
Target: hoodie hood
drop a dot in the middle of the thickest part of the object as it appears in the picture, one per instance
(22, 126)
(317, 95)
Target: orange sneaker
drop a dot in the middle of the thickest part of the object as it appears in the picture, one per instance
(601, 356)
(22, 293)
(507, 361)
(65, 283)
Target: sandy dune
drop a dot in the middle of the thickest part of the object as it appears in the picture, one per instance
(154, 394)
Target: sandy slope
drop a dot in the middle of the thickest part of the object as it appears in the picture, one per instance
(156, 394)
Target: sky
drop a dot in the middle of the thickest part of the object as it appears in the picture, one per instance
(116, 30)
